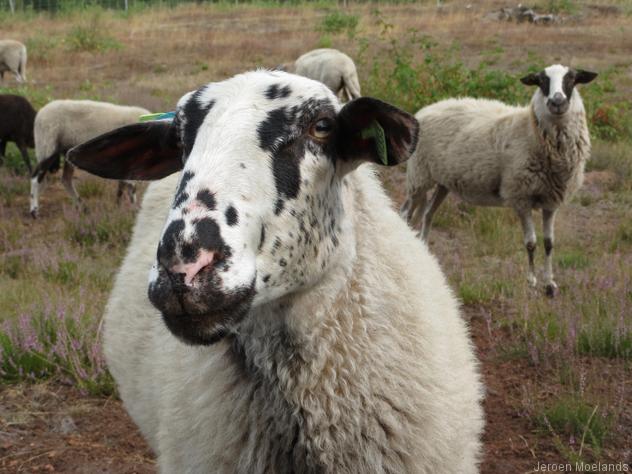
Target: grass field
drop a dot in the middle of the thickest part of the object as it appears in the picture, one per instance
(558, 371)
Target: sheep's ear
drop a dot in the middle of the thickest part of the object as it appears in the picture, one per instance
(531, 80)
(142, 151)
(584, 77)
(371, 130)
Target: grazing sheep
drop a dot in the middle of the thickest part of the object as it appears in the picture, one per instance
(312, 332)
(331, 67)
(13, 59)
(492, 154)
(63, 124)
(16, 125)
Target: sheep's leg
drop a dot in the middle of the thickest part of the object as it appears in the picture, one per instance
(37, 177)
(413, 206)
(128, 186)
(131, 188)
(119, 192)
(435, 201)
(548, 222)
(3, 148)
(528, 230)
(66, 178)
(25, 157)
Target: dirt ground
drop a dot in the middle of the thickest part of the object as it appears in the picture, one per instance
(48, 427)
(52, 428)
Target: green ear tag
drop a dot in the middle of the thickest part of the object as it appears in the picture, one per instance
(376, 132)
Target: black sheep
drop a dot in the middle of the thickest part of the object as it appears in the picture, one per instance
(17, 116)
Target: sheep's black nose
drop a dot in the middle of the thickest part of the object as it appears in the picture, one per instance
(557, 99)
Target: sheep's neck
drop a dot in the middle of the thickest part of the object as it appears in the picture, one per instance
(559, 146)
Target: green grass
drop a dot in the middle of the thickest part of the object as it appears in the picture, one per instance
(572, 259)
(574, 416)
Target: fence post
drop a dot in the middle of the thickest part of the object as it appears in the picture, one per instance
(12, 6)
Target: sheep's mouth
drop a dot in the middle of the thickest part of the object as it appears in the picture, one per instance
(206, 329)
(202, 315)
(558, 109)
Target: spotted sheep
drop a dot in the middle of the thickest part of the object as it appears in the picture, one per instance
(492, 154)
(63, 124)
(312, 332)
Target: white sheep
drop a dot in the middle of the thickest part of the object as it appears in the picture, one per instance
(63, 124)
(492, 154)
(13, 59)
(293, 323)
(331, 67)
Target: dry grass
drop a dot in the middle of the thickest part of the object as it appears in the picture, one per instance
(573, 349)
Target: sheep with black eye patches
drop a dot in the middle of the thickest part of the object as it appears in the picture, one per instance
(492, 154)
(291, 321)
(63, 124)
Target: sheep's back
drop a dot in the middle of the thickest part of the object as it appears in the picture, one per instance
(468, 144)
(72, 122)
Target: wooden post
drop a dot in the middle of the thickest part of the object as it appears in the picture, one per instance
(12, 6)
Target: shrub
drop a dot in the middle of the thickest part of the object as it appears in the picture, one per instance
(61, 343)
(339, 22)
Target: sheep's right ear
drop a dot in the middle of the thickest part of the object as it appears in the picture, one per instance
(531, 80)
(142, 151)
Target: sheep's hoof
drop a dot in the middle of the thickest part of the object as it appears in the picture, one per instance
(34, 213)
(550, 290)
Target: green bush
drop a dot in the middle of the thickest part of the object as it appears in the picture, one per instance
(339, 22)
(90, 37)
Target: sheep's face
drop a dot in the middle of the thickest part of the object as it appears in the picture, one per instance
(259, 211)
(556, 85)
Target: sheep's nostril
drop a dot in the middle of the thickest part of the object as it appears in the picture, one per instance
(205, 259)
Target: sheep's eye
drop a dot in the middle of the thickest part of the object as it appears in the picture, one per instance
(322, 128)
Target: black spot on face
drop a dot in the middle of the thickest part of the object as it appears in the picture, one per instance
(262, 238)
(276, 126)
(189, 252)
(208, 235)
(266, 278)
(231, 216)
(278, 207)
(167, 246)
(182, 196)
(194, 114)
(275, 91)
(545, 84)
(207, 198)
(568, 83)
(282, 262)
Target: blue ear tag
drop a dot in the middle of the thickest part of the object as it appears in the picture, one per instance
(375, 131)
(157, 116)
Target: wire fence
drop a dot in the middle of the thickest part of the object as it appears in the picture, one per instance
(55, 6)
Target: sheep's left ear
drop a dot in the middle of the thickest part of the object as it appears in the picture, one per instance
(371, 130)
(141, 151)
(584, 77)
(532, 79)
